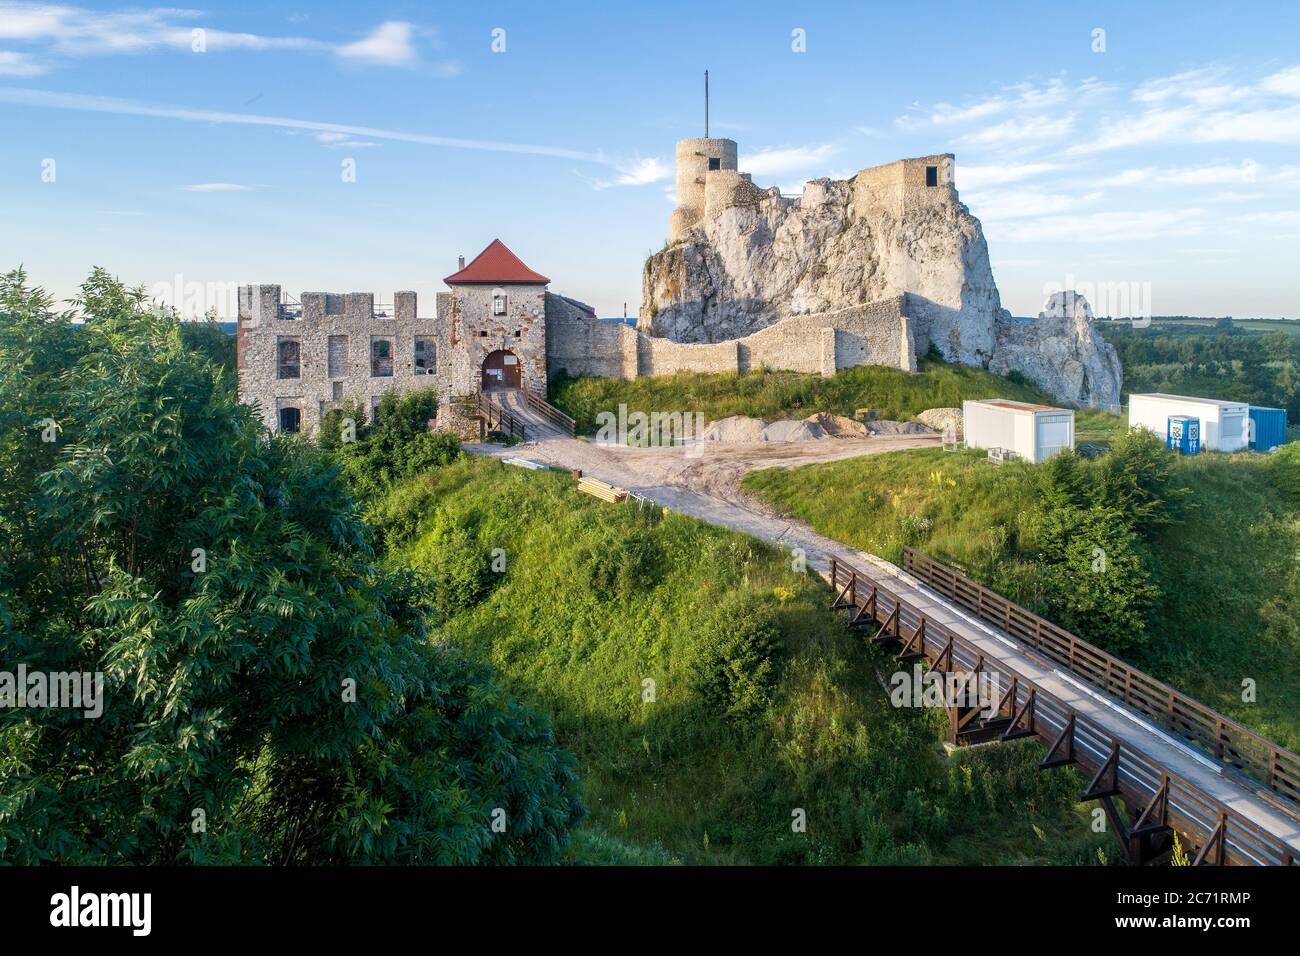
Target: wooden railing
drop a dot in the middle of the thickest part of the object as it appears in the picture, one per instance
(498, 418)
(1222, 834)
(552, 414)
(1223, 738)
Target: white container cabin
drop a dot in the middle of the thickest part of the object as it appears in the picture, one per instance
(1225, 426)
(1034, 432)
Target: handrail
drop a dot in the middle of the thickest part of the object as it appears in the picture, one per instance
(1221, 737)
(1223, 833)
(495, 414)
(550, 412)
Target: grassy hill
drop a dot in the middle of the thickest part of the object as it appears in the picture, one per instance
(763, 703)
(1226, 571)
(766, 394)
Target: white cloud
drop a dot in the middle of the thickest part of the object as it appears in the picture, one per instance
(1202, 106)
(977, 177)
(1020, 130)
(1284, 82)
(1021, 203)
(787, 160)
(389, 45)
(68, 31)
(1281, 216)
(1104, 227)
(19, 64)
(217, 188)
(343, 141)
(640, 172)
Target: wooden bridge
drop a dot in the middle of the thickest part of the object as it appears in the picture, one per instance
(1158, 762)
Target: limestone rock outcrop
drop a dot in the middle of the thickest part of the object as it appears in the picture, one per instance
(1061, 350)
(767, 257)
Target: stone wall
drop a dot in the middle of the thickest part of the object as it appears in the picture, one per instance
(878, 333)
(468, 332)
(349, 320)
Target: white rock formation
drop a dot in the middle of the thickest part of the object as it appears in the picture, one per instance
(752, 264)
(1061, 351)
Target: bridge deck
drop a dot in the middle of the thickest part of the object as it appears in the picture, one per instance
(1119, 721)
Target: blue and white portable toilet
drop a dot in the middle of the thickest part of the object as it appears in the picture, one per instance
(1267, 427)
(1184, 434)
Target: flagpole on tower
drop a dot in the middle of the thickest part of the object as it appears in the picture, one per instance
(706, 104)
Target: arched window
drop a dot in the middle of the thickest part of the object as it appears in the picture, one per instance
(498, 302)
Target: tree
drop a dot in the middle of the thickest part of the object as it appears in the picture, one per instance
(271, 693)
(1097, 582)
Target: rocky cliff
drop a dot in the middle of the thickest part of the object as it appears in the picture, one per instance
(849, 242)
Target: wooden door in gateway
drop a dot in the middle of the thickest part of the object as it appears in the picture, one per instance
(501, 370)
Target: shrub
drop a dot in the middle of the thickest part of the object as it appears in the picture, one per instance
(1096, 576)
(461, 566)
(737, 664)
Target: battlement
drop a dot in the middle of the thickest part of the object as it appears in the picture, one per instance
(263, 303)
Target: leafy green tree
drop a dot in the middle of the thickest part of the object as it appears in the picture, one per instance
(396, 446)
(271, 693)
(1136, 478)
(1096, 576)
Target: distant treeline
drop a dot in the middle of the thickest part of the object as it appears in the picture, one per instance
(1226, 363)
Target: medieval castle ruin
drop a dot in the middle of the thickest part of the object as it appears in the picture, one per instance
(873, 270)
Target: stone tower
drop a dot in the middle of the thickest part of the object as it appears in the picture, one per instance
(695, 159)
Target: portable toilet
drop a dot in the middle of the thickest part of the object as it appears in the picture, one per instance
(1183, 434)
(1225, 426)
(1267, 427)
(1033, 432)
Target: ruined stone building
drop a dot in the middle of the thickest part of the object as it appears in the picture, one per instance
(873, 270)
(298, 360)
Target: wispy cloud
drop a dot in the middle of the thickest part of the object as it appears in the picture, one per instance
(1022, 203)
(217, 188)
(638, 172)
(66, 32)
(49, 99)
(787, 161)
(1121, 226)
(977, 177)
(388, 45)
(13, 63)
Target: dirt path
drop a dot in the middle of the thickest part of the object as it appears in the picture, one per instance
(712, 469)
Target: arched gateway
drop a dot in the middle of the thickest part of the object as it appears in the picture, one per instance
(501, 370)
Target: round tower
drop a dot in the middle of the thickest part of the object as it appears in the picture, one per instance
(695, 158)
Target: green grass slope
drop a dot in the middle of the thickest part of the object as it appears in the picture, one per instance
(1227, 571)
(766, 394)
(595, 600)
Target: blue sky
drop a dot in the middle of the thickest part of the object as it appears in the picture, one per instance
(1162, 156)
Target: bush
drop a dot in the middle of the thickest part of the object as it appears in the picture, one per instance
(461, 566)
(622, 568)
(738, 660)
(1096, 577)
(1285, 463)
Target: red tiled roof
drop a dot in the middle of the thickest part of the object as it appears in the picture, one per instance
(496, 264)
